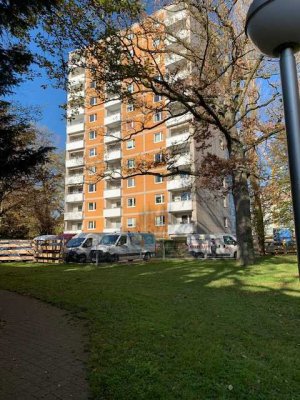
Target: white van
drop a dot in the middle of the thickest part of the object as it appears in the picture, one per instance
(124, 246)
(214, 246)
(78, 249)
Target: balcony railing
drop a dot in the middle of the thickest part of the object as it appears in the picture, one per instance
(179, 120)
(73, 216)
(112, 212)
(179, 183)
(177, 206)
(178, 139)
(112, 119)
(112, 155)
(173, 17)
(73, 128)
(113, 173)
(112, 136)
(181, 229)
(76, 145)
(74, 198)
(112, 193)
(112, 103)
(180, 160)
(112, 230)
(74, 180)
(74, 162)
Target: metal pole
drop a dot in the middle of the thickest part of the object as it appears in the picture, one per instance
(291, 100)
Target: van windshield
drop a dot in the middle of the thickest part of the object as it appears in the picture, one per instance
(75, 242)
(109, 239)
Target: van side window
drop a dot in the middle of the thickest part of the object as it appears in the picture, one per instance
(229, 240)
(122, 240)
(88, 242)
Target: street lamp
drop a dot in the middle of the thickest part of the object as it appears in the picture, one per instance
(273, 26)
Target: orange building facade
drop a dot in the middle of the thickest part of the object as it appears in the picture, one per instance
(100, 152)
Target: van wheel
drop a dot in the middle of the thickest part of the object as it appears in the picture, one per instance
(81, 258)
(114, 258)
(235, 255)
(147, 257)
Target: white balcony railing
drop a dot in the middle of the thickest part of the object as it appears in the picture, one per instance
(179, 120)
(173, 58)
(74, 180)
(112, 155)
(112, 136)
(180, 160)
(112, 230)
(112, 119)
(113, 173)
(180, 229)
(112, 212)
(112, 193)
(73, 216)
(73, 128)
(74, 162)
(179, 183)
(74, 198)
(112, 103)
(76, 145)
(178, 139)
(177, 206)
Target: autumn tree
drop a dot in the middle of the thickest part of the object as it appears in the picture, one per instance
(198, 64)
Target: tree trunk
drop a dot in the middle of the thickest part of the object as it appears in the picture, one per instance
(241, 198)
(258, 216)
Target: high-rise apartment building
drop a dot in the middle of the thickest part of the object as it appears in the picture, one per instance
(168, 207)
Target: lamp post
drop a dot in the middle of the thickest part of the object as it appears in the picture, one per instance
(273, 26)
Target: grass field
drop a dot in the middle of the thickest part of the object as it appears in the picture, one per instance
(180, 329)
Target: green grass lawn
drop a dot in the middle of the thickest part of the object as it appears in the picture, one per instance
(180, 329)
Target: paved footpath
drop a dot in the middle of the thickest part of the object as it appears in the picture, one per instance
(41, 351)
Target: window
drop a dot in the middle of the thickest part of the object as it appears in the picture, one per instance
(130, 125)
(131, 202)
(92, 225)
(131, 182)
(93, 85)
(225, 204)
(131, 222)
(92, 188)
(157, 116)
(93, 101)
(93, 117)
(158, 137)
(159, 157)
(130, 163)
(225, 186)
(225, 222)
(92, 152)
(157, 98)
(92, 170)
(160, 220)
(130, 36)
(130, 107)
(222, 146)
(130, 88)
(92, 135)
(156, 42)
(91, 206)
(159, 199)
(185, 196)
(158, 179)
(131, 52)
(130, 144)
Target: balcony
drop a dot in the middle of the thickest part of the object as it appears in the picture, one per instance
(73, 216)
(74, 162)
(112, 212)
(74, 180)
(74, 198)
(181, 160)
(112, 155)
(112, 230)
(182, 35)
(113, 173)
(76, 145)
(112, 136)
(178, 139)
(173, 17)
(112, 119)
(181, 229)
(112, 193)
(179, 206)
(179, 120)
(173, 59)
(112, 103)
(73, 128)
(180, 183)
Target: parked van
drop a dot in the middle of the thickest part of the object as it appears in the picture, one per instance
(124, 246)
(215, 246)
(78, 249)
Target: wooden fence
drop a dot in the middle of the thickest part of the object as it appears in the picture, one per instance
(49, 251)
(16, 250)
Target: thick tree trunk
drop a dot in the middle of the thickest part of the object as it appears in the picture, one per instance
(241, 197)
(258, 216)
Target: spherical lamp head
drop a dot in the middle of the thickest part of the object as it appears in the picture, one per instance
(273, 25)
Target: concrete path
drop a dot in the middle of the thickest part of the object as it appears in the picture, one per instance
(41, 352)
